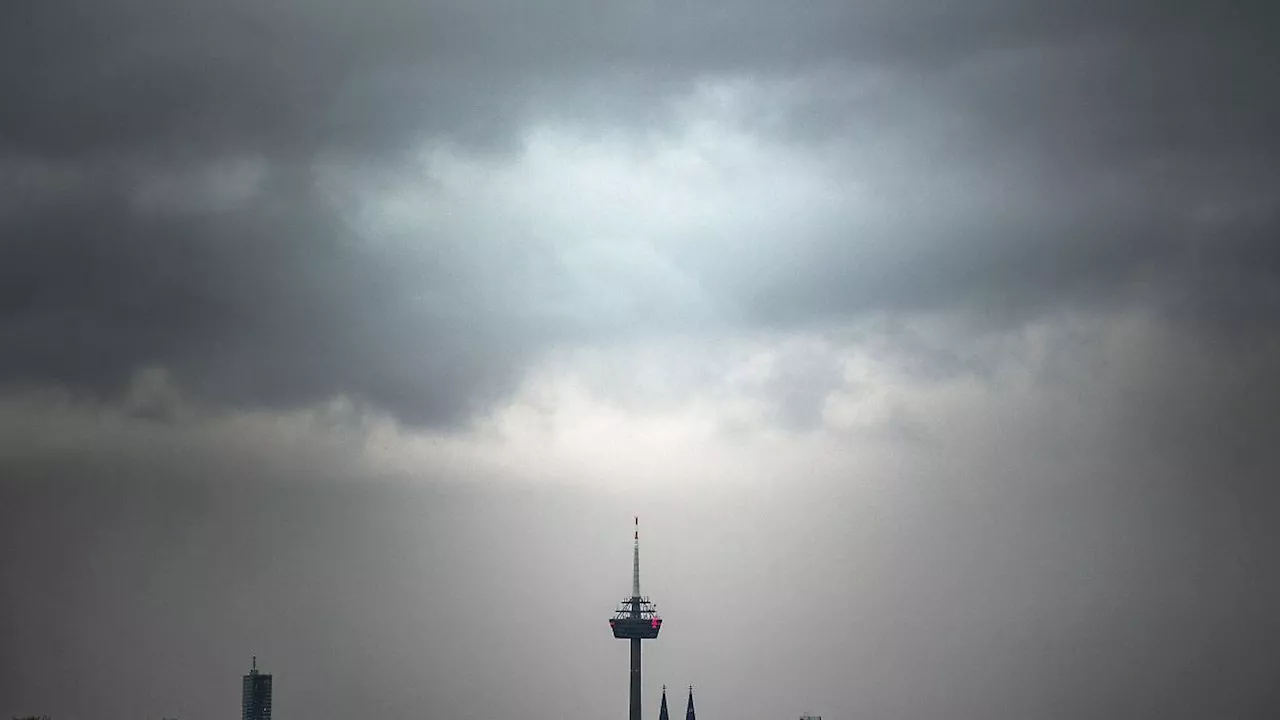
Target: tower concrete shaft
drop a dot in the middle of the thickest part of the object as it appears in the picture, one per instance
(635, 679)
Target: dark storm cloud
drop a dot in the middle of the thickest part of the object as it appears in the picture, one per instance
(274, 304)
(1056, 156)
(305, 77)
(82, 77)
(1058, 167)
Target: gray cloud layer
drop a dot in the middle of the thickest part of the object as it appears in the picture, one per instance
(1037, 156)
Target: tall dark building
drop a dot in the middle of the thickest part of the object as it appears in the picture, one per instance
(662, 712)
(256, 694)
(636, 619)
(689, 714)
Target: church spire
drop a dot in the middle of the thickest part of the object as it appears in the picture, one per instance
(662, 713)
(688, 713)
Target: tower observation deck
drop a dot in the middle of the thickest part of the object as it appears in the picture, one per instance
(636, 619)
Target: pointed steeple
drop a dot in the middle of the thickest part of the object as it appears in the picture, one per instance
(688, 713)
(662, 714)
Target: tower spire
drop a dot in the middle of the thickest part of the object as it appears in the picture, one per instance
(635, 564)
(689, 714)
(662, 712)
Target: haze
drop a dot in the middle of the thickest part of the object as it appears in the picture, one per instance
(933, 343)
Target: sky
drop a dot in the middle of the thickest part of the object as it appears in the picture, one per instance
(933, 343)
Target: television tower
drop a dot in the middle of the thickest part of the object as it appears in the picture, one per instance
(636, 619)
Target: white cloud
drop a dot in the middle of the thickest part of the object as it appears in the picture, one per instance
(616, 228)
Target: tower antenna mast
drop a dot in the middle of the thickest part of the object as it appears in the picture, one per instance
(635, 563)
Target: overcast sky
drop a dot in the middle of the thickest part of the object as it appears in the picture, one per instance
(934, 343)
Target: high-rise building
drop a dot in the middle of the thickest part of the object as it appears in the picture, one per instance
(256, 694)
